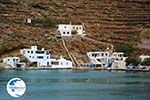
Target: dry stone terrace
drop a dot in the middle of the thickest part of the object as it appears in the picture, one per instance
(112, 21)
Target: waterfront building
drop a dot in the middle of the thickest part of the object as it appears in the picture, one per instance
(115, 60)
(61, 63)
(99, 58)
(39, 56)
(69, 29)
(14, 62)
(118, 56)
(143, 57)
(43, 58)
(118, 60)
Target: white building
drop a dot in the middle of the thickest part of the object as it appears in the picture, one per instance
(118, 60)
(143, 57)
(118, 56)
(43, 58)
(99, 58)
(40, 56)
(61, 63)
(14, 62)
(115, 60)
(69, 29)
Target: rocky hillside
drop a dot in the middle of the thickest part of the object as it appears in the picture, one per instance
(110, 21)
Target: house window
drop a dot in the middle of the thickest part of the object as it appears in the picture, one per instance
(55, 63)
(76, 28)
(65, 27)
(102, 54)
(31, 51)
(63, 32)
(40, 52)
(67, 32)
(106, 54)
(80, 27)
(94, 55)
(47, 52)
(17, 60)
(47, 57)
(40, 57)
(73, 27)
(8, 59)
(13, 59)
(28, 51)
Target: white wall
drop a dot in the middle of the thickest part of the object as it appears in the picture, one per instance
(78, 28)
(142, 57)
(62, 63)
(12, 61)
(66, 29)
(33, 55)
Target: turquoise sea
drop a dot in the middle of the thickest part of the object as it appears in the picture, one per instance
(78, 85)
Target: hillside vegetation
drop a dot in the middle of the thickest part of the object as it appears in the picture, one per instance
(110, 21)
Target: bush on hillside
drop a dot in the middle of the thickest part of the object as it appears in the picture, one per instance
(127, 49)
(50, 22)
(134, 60)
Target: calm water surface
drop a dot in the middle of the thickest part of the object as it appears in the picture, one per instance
(79, 85)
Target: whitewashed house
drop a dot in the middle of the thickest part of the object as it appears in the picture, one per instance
(43, 58)
(143, 57)
(40, 56)
(69, 29)
(61, 63)
(99, 58)
(115, 60)
(118, 56)
(118, 60)
(14, 62)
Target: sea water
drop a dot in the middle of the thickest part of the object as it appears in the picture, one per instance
(78, 85)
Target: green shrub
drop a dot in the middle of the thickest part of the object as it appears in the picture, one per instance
(127, 49)
(133, 60)
(50, 22)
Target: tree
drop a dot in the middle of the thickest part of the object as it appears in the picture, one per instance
(50, 22)
(133, 60)
(127, 49)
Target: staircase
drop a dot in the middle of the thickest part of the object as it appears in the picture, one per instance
(71, 56)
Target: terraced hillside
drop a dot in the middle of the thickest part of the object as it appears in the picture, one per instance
(110, 21)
